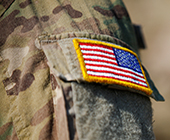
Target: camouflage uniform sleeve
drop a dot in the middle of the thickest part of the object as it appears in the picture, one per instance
(39, 99)
(27, 86)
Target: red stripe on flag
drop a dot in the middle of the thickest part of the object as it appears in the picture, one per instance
(97, 50)
(118, 79)
(97, 45)
(99, 60)
(112, 67)
(119, 74)
(99, 55)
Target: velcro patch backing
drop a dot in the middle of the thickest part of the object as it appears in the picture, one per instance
(108, 63)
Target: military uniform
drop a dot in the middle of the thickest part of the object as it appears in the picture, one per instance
(43, 92)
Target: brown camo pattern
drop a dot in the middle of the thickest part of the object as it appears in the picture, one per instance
(29, 86)
(117, 11)
(25, 3)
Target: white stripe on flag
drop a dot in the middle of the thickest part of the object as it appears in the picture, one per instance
(100, 53)
(95, 47)
(112, 70)
(111, 65)
(115, 76)
(99, 58)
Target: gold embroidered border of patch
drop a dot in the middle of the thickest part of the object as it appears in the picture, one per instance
(87, 49)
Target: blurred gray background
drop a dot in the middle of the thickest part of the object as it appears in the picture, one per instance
(154, 17)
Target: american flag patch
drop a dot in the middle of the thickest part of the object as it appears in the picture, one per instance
(108, 63)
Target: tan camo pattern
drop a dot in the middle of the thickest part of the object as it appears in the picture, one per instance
(32, 102)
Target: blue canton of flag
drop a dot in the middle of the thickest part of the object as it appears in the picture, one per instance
(127, 60)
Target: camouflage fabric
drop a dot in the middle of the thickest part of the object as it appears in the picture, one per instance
(35, 103)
